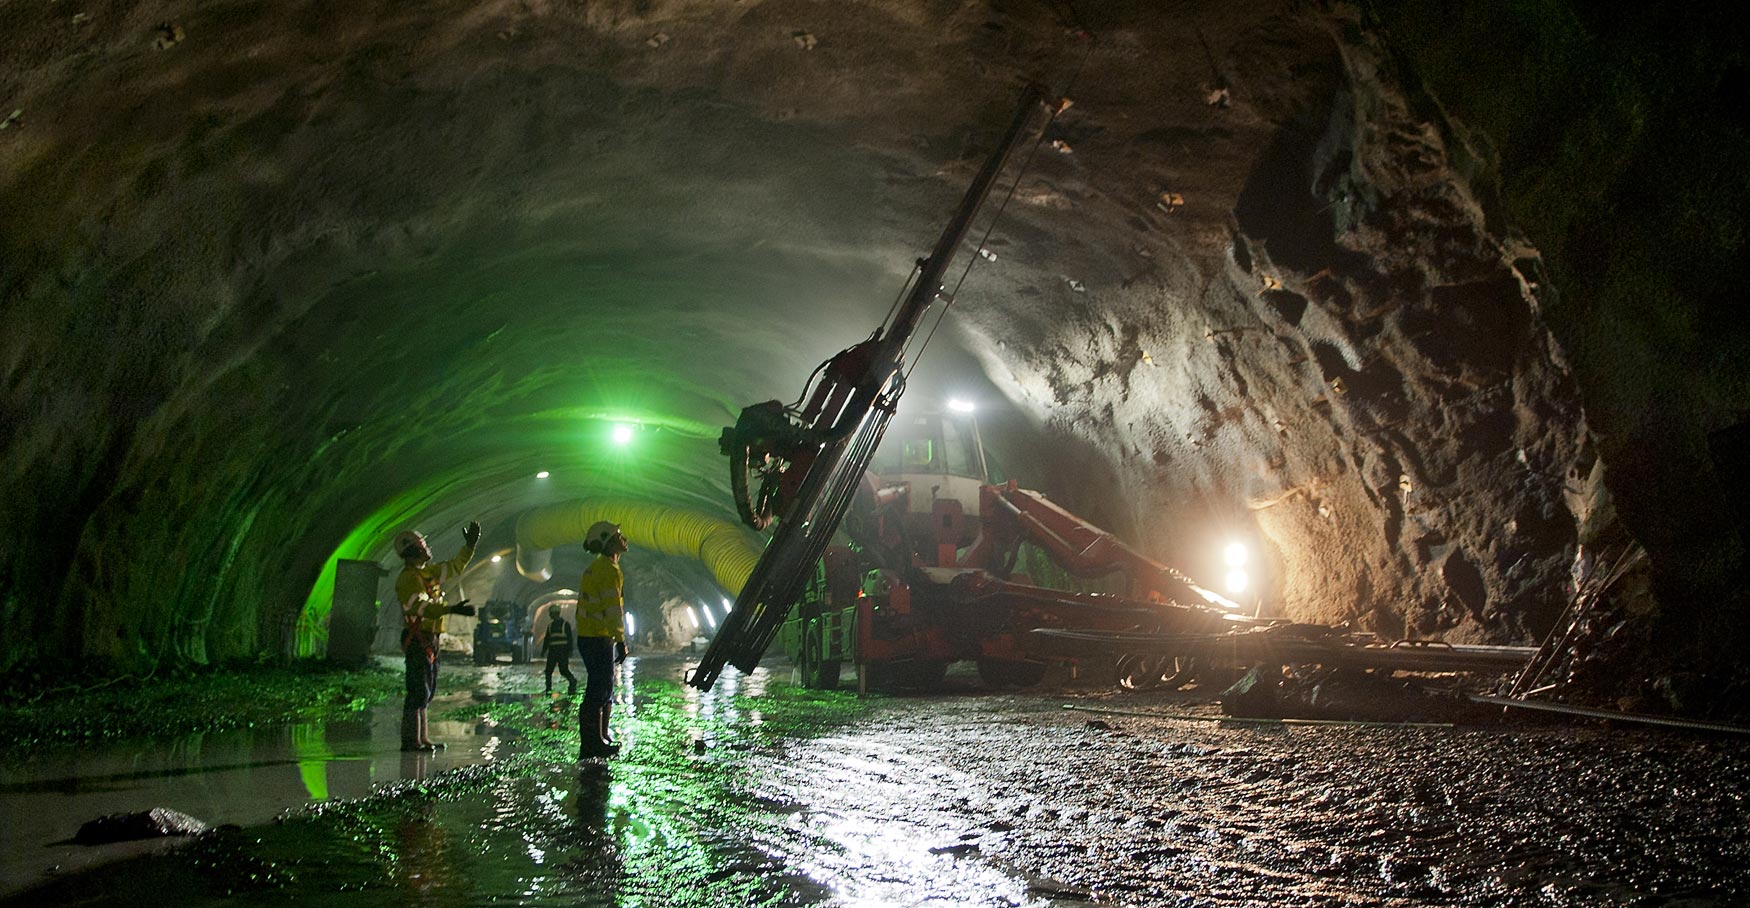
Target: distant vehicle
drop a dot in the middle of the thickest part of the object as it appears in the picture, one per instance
(502, 630)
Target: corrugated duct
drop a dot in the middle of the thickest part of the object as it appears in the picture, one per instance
(727, 550)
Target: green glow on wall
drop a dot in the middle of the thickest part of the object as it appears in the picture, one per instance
(364, 542)
(569, 441)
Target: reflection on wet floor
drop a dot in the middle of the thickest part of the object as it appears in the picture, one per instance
(239, 776)
(763, 793)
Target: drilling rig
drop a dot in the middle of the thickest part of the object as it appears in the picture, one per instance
(930, 577)
(796, 469)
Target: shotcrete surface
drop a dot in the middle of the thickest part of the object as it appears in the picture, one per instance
(764, 793)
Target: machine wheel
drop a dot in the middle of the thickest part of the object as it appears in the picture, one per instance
(818, 673)
(1136, 672)
(1010, 672)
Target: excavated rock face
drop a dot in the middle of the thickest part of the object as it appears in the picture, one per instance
(280, 281)
(1354, 372)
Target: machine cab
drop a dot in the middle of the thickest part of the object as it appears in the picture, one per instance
(936, 459)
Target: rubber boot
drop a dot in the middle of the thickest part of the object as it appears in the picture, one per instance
(607, 731)
(425, 741)
(589, 736)
(410, 729)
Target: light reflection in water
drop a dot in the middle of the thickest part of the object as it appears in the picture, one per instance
(310, 743)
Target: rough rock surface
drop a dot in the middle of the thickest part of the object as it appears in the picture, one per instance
(282, 280)
(141, 824)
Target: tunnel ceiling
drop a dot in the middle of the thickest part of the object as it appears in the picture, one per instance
(281, 279)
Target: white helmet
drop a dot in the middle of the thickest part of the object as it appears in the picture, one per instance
(410, 544)
(596, 540)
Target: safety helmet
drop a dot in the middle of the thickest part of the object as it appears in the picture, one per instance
(596, 540)
(409, 543)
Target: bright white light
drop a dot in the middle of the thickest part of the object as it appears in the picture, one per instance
(622, 433)
(1237, 581)
(692, 617)
(1235, 555)
(497, 558)
(543, 474)
(961, 406)
(631, 625)
(709, 618)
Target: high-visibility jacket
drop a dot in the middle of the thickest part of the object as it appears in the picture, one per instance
(601, 611)
(558, 635)
(420, 590)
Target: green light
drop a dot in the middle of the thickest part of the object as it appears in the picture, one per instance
(622, 433)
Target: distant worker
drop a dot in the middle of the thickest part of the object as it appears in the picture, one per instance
(601, 637)
(420, 590)
(557, 643)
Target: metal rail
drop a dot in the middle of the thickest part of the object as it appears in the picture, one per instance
(1265, 646)
(1612, 715)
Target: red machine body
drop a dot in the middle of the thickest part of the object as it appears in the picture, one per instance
(931, 576)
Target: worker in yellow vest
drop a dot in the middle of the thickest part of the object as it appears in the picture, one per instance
(601, 637)
(420, 591)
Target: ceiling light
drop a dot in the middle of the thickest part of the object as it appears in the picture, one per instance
(961, 406)
(543, 474)
(622, 433)
(1235, 555)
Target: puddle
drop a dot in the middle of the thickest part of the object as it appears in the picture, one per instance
(239, 776)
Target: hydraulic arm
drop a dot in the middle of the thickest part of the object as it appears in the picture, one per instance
(799, 466)
(1012, 514)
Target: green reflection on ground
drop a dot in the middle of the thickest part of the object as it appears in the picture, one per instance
(674, 821)
(310, 743)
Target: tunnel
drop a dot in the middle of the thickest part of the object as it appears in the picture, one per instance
(1431, 305)
(281, 284)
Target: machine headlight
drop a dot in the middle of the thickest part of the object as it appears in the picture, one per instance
(1237, 581)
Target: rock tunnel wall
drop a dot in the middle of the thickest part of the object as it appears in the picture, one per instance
(291, 278)
(1362, 382)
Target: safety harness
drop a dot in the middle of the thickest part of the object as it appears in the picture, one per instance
(414, 618)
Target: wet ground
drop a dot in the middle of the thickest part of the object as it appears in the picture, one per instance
(762, 793)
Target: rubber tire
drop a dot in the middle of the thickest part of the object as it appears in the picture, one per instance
(817, 673)
(1139, 673)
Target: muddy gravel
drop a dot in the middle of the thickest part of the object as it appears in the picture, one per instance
(763, 793)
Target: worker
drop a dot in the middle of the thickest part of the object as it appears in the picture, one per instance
(557, 643)
(420, 591)
(601, 637)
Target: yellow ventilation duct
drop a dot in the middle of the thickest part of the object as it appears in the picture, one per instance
(726, 549)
